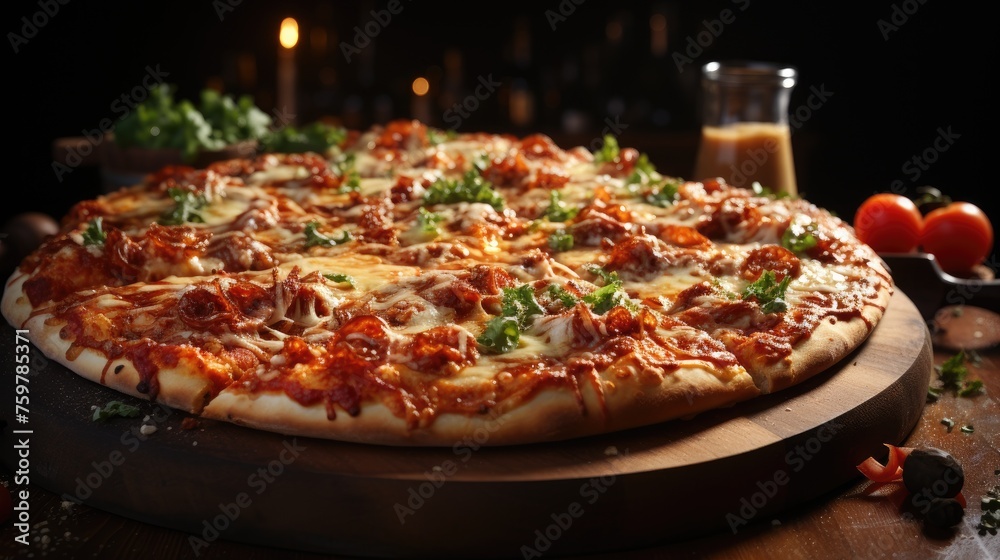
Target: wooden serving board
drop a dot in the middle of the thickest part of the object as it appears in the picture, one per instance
(717, 472)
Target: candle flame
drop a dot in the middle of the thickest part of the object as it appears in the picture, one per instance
(421, 86)
(289, 34)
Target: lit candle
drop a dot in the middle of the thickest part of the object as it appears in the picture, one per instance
(288, 36)
(420, 107)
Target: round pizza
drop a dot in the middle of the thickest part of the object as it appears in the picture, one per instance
(413, 286)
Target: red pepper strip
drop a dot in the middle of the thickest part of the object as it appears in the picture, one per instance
(891, 471)
(961, 499)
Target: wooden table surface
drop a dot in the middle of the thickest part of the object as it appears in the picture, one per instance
(847, 523)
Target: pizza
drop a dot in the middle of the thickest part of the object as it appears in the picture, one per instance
(413, 286)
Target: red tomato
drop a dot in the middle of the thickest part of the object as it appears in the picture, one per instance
(889, 223)
(959, 235)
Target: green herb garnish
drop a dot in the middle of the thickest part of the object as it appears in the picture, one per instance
(989, 522)
(339, 278)
(519, 307)
(609, 151)
(94, 235)
(610, 295)
(114, 409)
(968, 429)
(160, 122)
(799, 238)
(559, 211)
(768, 292)
(643, 171)
(314, 238)
(471, 188)
(561, 241)
(352, 183)
(435, 136)
(952, 377)
(186, 206)
(971, 388)
(933, 394)
(233, 120)
(315, 137)
(558, 292)
(501, 334)
(427, 223)
(948, 423)
(761, 190)
(664, 195)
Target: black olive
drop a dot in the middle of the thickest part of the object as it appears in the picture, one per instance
(944, 512)
(933, 473)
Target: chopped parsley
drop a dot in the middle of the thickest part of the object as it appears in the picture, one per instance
(952, 377)
(948, 423)
(480, 163)
(968, 429)
(501, 334)
(427, 223)
(561, 241)
(559, 211)
(799, 238)
(352, 183)
(761, 190)
(114, 409)
(664, 195)
(519, 307)
(471, 188)
(609, 151)
(94, 235)
(186, 206)
(435, 136)
(610, 295)
(558, 292)
(768, 292)
(643, 171)
(343, 166)
(989, 522)
(339, 278)
(314, 238)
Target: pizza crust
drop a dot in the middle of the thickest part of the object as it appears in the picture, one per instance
(179, 387)
(830, 342)
(550, 415)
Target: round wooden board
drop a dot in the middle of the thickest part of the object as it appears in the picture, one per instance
(717, 472)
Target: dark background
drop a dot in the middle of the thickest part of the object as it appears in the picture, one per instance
(890, 96)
